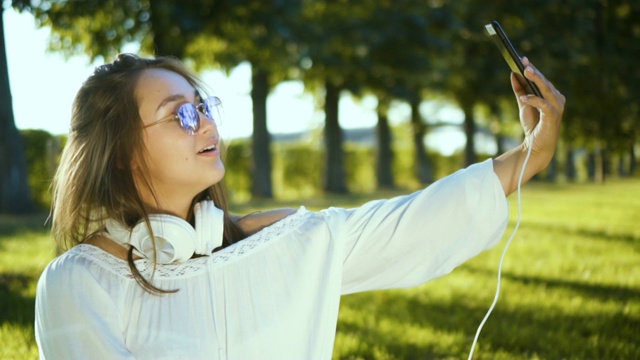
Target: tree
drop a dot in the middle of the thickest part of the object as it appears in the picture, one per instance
(403, 63)
(423, 168)
(380, 48)
(335, 176)
(590, 50)
(15, 197)
(262, 33)
(329, 48)
(384, 168)
(477, 73)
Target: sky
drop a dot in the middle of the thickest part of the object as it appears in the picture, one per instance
(43, 85)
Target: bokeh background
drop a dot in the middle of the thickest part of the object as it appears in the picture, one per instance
(337, 102)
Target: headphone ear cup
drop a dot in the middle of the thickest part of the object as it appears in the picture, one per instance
(175, 239)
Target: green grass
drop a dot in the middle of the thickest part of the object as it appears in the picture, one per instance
(570, 286)
(25, 249)
(570, 289)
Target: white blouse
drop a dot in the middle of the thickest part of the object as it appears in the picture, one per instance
(274, 295)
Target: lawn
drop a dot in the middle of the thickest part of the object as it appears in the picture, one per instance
(570, 286)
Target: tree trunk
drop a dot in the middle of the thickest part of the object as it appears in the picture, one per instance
(424, 169)
(622, 169)
(605, 158)
(570, 165)
(594, 166)
(15, 196)
(632, 161)
(497, 128)
(552, 171)
(384, 168)
(261, 177)
(603, 89)
(591, 166)
(334, 168)
(469, 131)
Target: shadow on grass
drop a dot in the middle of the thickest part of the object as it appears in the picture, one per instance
(599, 292)
(17, 317)
(544, 333)
(11, 225)
(16, 308)
(373, 339)
(587, 233)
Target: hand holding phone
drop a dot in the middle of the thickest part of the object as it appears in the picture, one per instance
(511, 56)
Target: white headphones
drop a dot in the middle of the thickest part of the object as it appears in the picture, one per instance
(176, 239)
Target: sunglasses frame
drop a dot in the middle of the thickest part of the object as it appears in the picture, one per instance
(189, 109)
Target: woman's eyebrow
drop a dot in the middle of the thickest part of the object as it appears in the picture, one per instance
(169, 99)
(175, 97)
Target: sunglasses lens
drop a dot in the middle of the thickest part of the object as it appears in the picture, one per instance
(189, 118)
(213, 107)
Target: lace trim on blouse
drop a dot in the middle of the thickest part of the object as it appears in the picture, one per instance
(196, 265)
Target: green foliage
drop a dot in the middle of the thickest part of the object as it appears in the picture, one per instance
(300, 167)
(94, 28)
(383, 47)
(43, 153)
(237, 160)
(257, 31)
(396, 50)
(360, 168)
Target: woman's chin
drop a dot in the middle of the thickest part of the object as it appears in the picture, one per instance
(216, 179)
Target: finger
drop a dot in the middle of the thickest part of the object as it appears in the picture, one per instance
(527, 63)
(547, 108)
(517, 87)
(519, 90)
(544, 107)
(546, 87)
(556, 94)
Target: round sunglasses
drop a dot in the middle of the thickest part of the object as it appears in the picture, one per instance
(188, 117)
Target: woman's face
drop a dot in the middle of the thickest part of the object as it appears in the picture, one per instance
(180, 165)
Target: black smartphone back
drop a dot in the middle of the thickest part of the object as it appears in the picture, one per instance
(495, 32)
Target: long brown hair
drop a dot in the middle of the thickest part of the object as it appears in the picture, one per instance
(94, 180)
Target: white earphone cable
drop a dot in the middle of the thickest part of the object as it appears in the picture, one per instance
(504, 252)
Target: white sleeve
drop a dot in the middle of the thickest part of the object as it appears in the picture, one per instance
(409, 240)
(75, 317)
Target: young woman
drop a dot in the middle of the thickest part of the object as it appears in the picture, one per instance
(156, 268)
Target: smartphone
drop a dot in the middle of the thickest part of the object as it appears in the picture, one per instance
(511, 56)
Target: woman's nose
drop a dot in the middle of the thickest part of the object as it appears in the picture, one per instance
(207, 124)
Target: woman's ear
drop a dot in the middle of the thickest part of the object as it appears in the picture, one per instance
(134, 162)
(119, 163)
